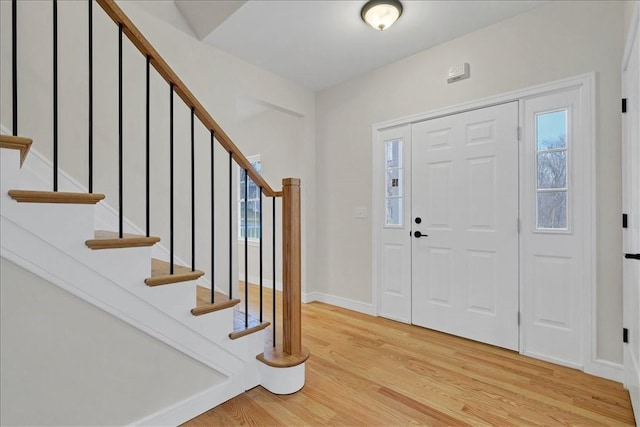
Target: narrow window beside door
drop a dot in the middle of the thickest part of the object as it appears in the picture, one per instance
(551, 168)
(393, 185)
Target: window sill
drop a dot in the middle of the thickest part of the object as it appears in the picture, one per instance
(251, 242)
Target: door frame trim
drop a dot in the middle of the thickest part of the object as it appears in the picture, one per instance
(586, 83)
(633, 38)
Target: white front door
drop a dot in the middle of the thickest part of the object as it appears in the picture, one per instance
(464, 177)
(631, 223)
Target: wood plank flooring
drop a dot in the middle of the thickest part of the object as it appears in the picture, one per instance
(366, 371)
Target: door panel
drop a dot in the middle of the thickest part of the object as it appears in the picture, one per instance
(482, 293)
(393, 255)
(552, 292)
(465, 190)
(440, 266)
(481, 182)
(438, 215)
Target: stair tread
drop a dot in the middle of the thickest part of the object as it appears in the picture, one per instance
(239, 327)
(17, 143)
(203, 301)
(160, 273)
(275, 357)
(104, 239)
(31, 196)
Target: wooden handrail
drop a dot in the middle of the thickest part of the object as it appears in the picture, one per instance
(167, 73)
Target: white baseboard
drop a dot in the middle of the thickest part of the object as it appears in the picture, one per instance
(342, 302)
(605, 369)
(255, 280)
(187, 409)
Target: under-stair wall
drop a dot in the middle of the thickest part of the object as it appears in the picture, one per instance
(70, 363)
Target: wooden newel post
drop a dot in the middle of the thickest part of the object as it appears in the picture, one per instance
(291, 267)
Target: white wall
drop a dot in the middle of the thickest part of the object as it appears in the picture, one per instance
(557, 40)
(629, 6)
(66, 362)
(216, 78)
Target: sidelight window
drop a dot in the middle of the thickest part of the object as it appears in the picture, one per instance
(552, 189)
(393, 185)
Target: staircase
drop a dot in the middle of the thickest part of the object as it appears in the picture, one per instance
(53, 234)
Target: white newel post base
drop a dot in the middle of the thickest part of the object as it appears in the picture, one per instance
(282, 380)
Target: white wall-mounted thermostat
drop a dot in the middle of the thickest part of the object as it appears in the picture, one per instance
(458, 72)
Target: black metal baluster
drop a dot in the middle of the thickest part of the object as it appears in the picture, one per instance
(14, 64)
(55, 95)
(90, 31)
(230, 224)
(261, 255)
(213, 233)
(246, 249)
(147, 149)
(120, 135)
(273, 267)
(171, 180)
(193, 193)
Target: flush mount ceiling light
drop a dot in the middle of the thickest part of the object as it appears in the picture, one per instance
(381, 14)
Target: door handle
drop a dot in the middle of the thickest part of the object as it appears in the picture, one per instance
(632, 256)
(418, 234)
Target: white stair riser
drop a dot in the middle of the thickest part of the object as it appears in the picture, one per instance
(67, 226)
(123, 265)
(254, 344)
(207, 324)
(175, 299)
(9, 169)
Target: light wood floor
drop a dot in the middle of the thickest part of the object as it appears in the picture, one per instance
(368, 371)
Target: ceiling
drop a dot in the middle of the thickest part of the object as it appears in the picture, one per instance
(320, 43)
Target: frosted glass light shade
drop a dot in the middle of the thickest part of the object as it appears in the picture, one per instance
(381, 14)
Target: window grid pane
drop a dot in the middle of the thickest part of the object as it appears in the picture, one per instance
(552, 210)
(552, 170)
